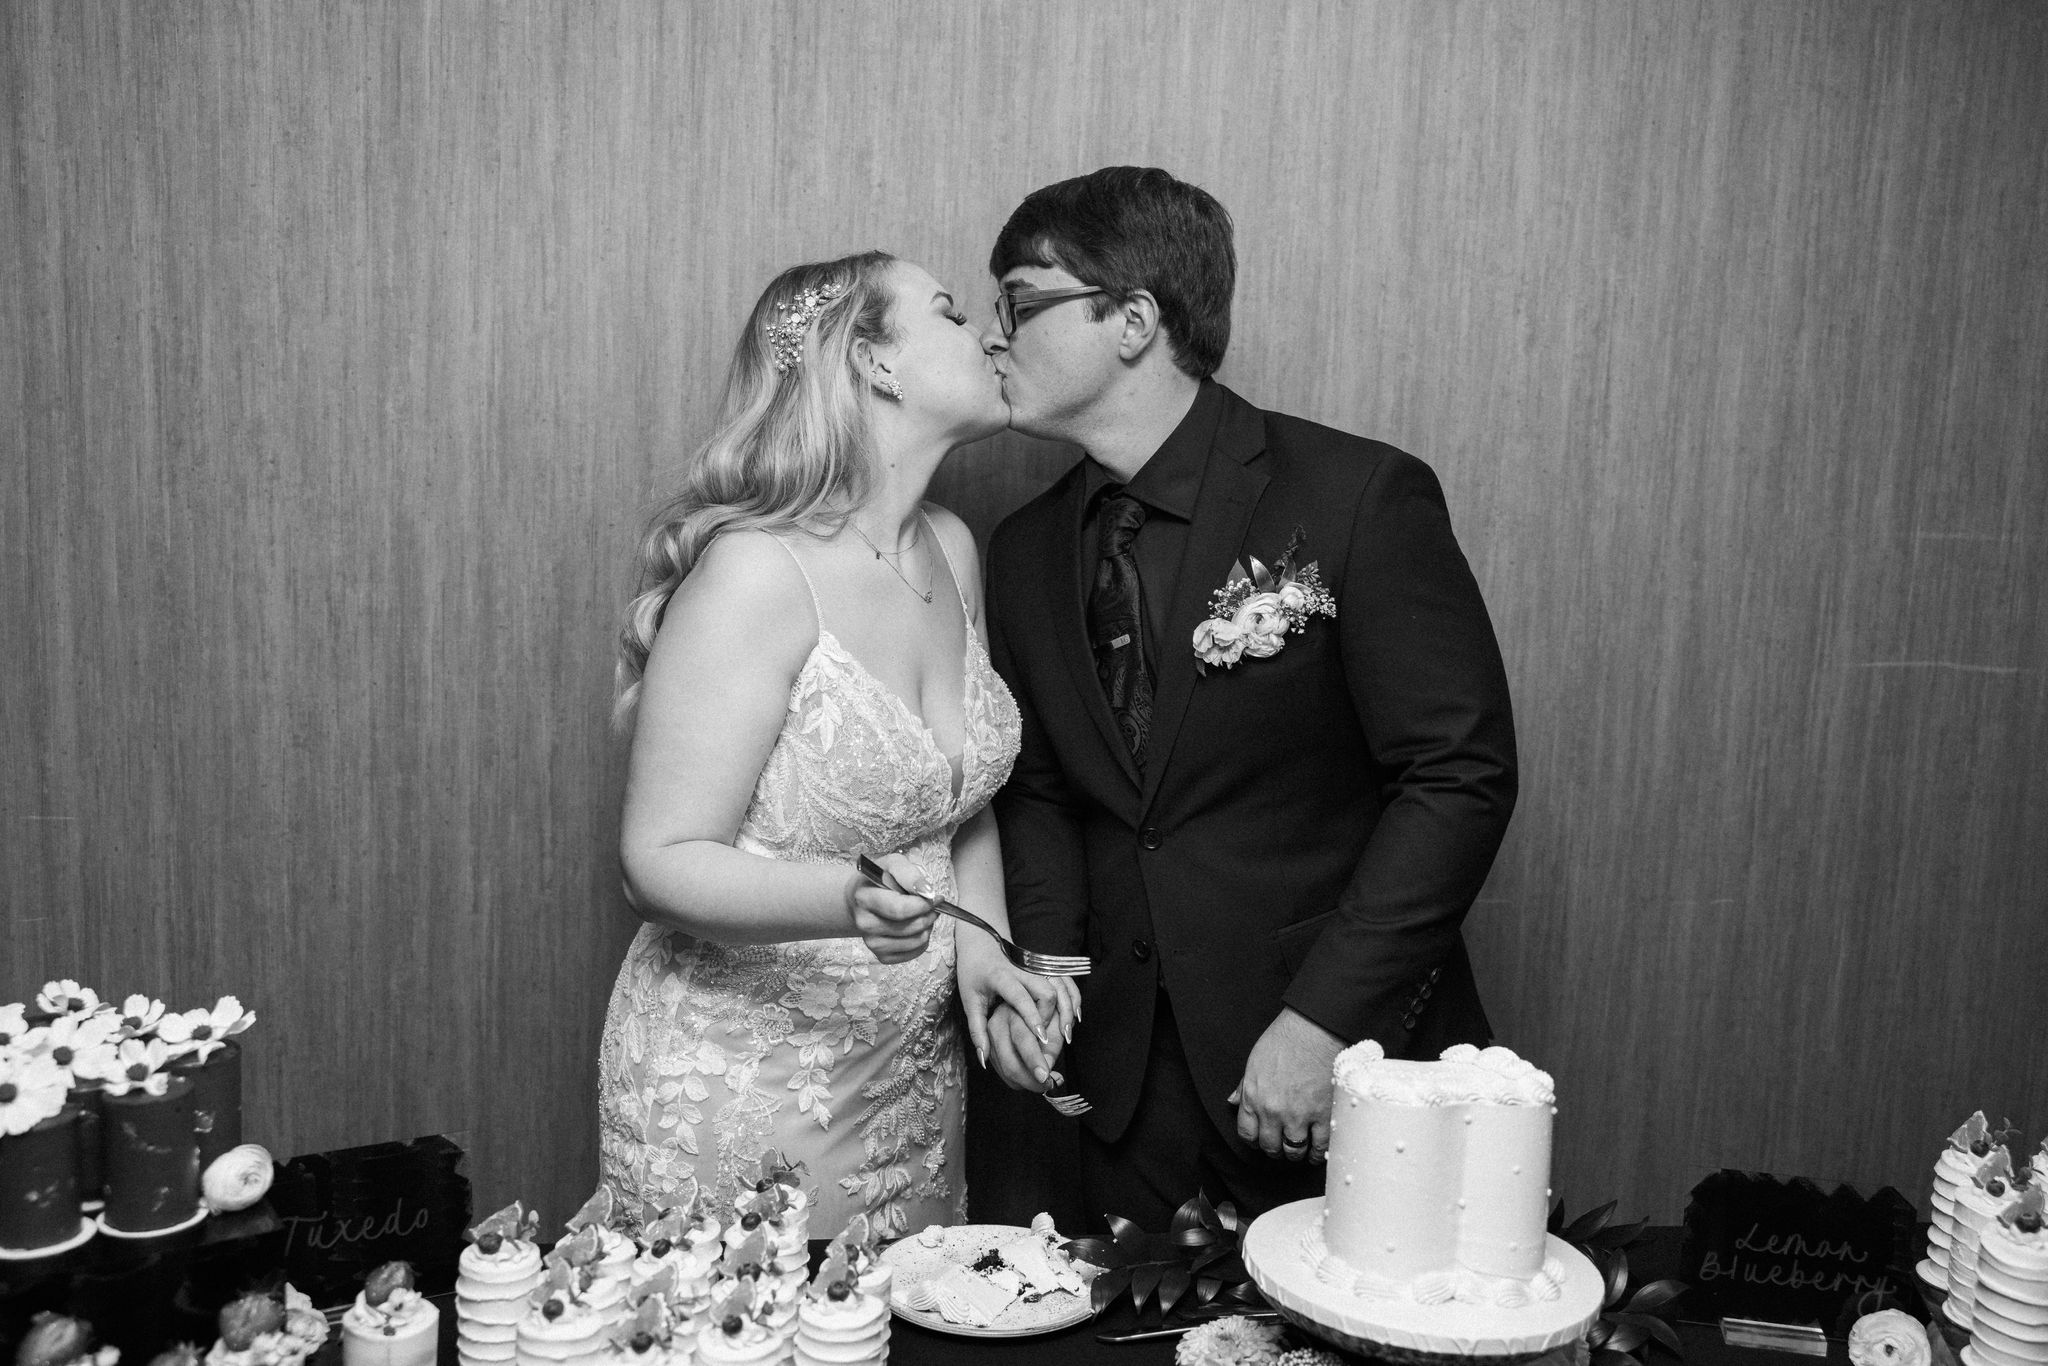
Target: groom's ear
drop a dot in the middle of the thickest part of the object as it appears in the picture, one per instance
(1140, 314)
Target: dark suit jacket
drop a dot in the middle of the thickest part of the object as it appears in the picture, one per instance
(1310, 828)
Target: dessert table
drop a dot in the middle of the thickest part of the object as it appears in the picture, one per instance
(909, 1345)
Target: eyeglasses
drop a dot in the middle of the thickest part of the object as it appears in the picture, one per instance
(1007, 303)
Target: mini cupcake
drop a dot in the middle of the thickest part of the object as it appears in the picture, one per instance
(779, 1190)
(838, 1323)
(615, 1250)
(750, 1263)
(664, 1246)
(559, 1325)
(652, 1334)
(497, 1273)
(739, 1334)
(391, 1323)
(858, 1247)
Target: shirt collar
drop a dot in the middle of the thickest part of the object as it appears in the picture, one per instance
(1171, 479)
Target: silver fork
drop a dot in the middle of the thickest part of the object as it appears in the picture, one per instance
(1071, 1106)
(1044, 964)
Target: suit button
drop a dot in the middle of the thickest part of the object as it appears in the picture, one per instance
(1149, 837)
(1140, 950)
(1408, 1021)
(1423, 995)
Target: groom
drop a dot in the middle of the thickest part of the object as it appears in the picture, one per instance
(1263, 819)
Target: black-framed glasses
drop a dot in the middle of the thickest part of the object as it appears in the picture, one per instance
(1008, 303)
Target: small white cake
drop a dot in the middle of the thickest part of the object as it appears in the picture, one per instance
(496, 1275)
(1958, 1162)
(390, 1323)
(1438, 1180)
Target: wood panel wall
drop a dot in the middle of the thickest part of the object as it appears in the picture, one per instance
(342, 349)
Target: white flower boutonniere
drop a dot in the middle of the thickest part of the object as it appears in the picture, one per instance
(1254, 610)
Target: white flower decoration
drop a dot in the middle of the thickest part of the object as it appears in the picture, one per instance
(66, 997)
(138, 1016)
(1233, 1341)
(1890, 1337)
(139, 1066)
(80, 1045)
(13, 1025)
(201, 1033)
(32, 1089)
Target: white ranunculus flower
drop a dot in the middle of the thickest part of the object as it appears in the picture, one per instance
(1218, 643)
(1890, 1337)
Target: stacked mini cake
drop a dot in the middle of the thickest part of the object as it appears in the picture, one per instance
(839, 1323)
(498, 1272)
(2009, 1317)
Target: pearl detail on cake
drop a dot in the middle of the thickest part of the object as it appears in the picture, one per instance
(1400, 1147)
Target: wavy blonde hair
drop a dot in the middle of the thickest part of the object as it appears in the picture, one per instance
(789, 450)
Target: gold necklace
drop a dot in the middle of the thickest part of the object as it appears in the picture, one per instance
(889, 558)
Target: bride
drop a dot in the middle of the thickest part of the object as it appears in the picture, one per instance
(806, 682)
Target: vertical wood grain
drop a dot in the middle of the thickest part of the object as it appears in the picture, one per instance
(344, 347)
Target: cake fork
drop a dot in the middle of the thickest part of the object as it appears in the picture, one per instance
(1044, 964)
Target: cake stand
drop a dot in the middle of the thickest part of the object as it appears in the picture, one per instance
(1402, 1330)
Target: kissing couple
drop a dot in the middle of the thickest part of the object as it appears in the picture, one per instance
(1225, 716)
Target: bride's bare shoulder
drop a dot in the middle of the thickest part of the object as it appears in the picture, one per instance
(746, 591)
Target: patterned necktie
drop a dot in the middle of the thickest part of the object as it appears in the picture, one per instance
(1116, 623)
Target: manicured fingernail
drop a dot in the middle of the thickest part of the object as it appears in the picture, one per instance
(982, 1053)
(1040, 1073)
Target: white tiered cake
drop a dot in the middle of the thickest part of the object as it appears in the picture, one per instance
(1430, 1235)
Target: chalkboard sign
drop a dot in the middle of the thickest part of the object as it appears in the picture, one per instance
(349, 1211)
(1787, 1251)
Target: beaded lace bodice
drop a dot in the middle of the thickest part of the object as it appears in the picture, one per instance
(713, 1053)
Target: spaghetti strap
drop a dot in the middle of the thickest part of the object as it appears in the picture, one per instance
(951, 572)
(816, 607)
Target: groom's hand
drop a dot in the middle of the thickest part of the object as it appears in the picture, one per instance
(1017, 1056)
(1283, 1103)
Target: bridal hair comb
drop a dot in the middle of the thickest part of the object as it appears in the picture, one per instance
(786, 338)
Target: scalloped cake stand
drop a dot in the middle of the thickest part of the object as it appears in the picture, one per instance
(1401, 1330)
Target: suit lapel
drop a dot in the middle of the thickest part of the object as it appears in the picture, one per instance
(1066, 594)
(1223, 513)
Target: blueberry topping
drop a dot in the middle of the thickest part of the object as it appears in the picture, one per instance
(551, 1310)
(838, 1290)
(642, 1341)
(732, 1325)
(662, 1247)
(490, 1243)
(750, 1271)
(1981, 1147)
(8, 1091)
(751, 1220)
(2029, 1222)
(1994, 1187)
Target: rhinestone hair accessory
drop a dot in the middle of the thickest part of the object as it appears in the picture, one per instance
(786, 338)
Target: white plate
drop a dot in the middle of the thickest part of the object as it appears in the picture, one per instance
(913, 1263)
(198, 1217)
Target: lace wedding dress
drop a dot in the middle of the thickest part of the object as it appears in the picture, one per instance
(713, 1054)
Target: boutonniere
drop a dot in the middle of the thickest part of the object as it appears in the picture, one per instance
(1254, 610)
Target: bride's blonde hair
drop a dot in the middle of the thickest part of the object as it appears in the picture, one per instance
(790, 449)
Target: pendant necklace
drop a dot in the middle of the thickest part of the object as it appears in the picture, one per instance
(886, 558)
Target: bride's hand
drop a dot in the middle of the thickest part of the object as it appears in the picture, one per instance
(896, 925)
(1051, 1005)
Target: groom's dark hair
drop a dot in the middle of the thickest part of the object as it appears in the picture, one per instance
(1126, 228)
